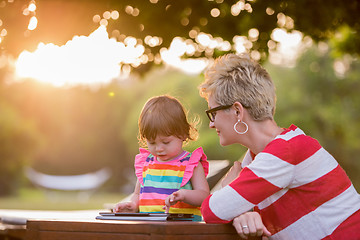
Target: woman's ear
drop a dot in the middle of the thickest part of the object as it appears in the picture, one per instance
(239, 110)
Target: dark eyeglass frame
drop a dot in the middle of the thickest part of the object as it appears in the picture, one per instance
(210, 112)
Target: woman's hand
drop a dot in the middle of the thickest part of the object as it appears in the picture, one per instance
(250, 224)
(130, 207)
(232, 174)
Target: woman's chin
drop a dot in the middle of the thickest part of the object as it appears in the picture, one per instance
(223, 143)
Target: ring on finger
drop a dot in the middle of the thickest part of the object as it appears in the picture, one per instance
(245, 226)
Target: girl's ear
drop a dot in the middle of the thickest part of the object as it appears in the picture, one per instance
(182, 138)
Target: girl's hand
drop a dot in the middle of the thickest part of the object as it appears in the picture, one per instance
(250, 224)
(173, 198)
(130, 207)
(193, 197)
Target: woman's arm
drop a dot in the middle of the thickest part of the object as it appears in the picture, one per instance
(265, 176)
(193, 197)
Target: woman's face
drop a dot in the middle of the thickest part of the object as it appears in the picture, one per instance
(224, 123)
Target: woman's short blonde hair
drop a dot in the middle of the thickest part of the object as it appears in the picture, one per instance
(236, 78)
(164, 115)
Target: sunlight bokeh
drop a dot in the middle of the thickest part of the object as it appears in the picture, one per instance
(98, 59)
(94, 59)
(289, 46)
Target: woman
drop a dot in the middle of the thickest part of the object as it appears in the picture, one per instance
(296, 186)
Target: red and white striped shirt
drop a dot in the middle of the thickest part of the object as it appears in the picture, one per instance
(299, 189)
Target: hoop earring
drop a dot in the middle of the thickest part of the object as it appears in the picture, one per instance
(246, 126)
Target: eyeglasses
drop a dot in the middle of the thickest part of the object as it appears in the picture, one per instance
(211, 113)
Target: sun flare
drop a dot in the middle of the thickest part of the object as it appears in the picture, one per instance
(93, 59)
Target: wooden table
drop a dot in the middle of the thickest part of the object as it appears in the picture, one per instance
(82, 225)
(128, 230)
(12, 232)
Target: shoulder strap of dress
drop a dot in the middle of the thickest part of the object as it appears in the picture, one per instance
(196, 156)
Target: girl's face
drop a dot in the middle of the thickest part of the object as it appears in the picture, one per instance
(223, 123)
(165, 148)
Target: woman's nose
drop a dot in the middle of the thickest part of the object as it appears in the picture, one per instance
(211, 124)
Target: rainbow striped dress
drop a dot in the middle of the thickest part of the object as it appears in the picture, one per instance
(160, 179)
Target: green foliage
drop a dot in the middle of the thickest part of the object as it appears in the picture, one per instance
(345, 40)
(84, 130)
(77, 130)
(169, 19)
(35, 199)
(18, 141)
(324, 104)
(80, 127)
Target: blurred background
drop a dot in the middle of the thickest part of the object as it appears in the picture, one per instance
(74, 75)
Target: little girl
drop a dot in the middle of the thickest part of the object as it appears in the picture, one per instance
(169, 179)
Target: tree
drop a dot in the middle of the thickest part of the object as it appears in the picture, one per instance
(59, 20)
(322, 100)
(19, 140)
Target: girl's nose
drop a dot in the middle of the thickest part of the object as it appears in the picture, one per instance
(211, 124)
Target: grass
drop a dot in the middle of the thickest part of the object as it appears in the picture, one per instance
(36, 199)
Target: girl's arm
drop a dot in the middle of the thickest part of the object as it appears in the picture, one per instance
(132, 205)
(193, 197)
